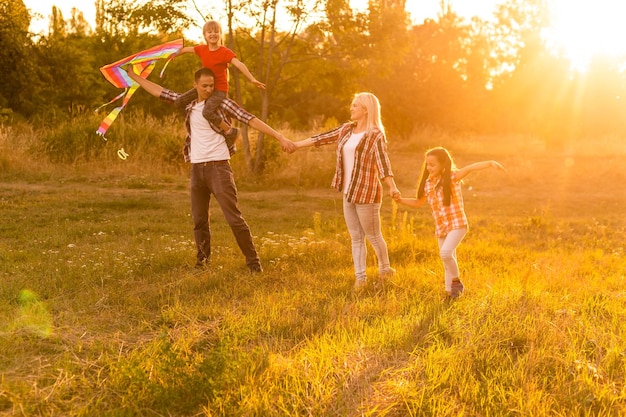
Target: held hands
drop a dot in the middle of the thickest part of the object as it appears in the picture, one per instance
(302, 144)
(393, 188)
(297, 145)
(286, 145)
(394, 193)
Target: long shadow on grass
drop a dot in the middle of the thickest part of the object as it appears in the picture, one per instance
(366, 388)
(423, 330)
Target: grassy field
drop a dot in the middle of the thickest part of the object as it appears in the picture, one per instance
(102, 314)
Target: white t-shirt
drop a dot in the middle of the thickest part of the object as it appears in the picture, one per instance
(206, 144)
(348, 152)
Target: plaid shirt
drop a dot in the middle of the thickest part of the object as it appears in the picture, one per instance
(371, 163)
(228, 109)
(447, 218)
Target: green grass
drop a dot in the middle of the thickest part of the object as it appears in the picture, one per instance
(101, 313)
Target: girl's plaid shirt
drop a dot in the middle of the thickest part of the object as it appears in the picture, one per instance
(371, 163)
(450, 217)
(228, 109)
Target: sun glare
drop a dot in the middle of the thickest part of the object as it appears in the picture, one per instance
(585, 28)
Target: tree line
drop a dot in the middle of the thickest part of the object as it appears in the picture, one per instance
(486, 76)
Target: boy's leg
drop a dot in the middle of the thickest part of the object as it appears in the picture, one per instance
(210, 113)
(187, 97)
(210, 108)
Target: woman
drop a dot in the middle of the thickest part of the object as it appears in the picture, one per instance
(362, 164)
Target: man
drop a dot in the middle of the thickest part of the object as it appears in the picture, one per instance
(211, 173)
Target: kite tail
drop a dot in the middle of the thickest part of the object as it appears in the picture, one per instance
(127, 94)
(112, 101)
(106, 123)
(166, 64)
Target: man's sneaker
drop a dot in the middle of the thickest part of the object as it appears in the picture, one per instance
(457, 288)
(202, 264)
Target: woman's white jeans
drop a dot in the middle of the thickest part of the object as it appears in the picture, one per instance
(363, 221)
(447, 253)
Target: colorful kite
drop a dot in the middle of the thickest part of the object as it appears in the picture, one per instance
(143, 63)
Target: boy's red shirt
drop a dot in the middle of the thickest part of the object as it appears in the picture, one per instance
(217, 61)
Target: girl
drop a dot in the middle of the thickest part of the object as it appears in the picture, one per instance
(362, 164)
(440, 184)
(216, 57)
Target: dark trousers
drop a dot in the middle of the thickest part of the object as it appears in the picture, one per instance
(217, 178)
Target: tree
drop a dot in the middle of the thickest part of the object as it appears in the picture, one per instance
(64, 56)
(124, 18)
(16, 66)
(440, 77)
(274, 50)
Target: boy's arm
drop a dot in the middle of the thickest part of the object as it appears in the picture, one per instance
(462, 173)
(242, 67)
(152, 88)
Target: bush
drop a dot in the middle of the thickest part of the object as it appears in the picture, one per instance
(71, 141)
(143, 138)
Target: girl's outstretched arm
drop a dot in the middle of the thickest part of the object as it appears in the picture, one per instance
(462, 172)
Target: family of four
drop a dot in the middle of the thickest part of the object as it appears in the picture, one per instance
(362, 167)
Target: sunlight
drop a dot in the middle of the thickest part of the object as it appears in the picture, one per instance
(584, 29)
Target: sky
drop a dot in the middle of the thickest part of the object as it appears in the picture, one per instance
(418, 9)
(44, 9)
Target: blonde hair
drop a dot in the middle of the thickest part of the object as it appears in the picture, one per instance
(213, 24)
(370, 102)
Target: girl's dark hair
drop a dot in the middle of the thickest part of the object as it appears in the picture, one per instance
(444, 158)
